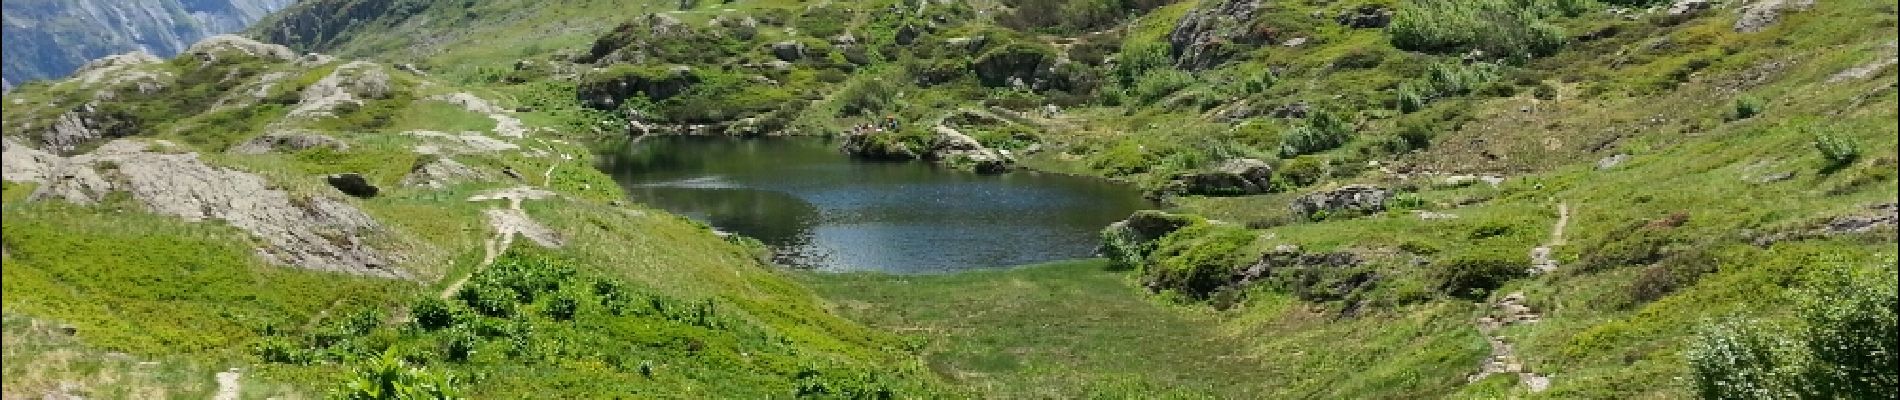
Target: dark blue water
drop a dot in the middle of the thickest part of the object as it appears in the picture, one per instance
(820, 209)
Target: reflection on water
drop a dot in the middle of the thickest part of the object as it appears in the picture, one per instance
(817, 208)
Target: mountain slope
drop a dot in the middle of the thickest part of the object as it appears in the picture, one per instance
(49, 39)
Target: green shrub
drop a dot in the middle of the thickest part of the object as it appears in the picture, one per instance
(1838, 152)
(1197, 260)
(1159, 83)
(1746, 107)
(562, 306)
(1322, 131)
(433, 313)
(458, 345)
(389, 378)
(1507, 28)
(489, 299)
(1850, 327)
(1302, 171)
(1844, 348)
(1474, 273)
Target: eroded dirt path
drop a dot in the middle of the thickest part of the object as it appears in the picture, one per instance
(508, 222)
(1511, 310)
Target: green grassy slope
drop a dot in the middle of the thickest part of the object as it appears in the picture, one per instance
(656, 304)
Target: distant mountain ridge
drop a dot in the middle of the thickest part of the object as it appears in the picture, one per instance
(51, 38)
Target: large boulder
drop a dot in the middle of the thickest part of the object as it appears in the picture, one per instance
(1014, 64)
(1240, 176)
(1211, 33)
(955, 148)
(441, 172)
(789, 50)
(314, 232)
(1128, 242)
(605, 90)
(1369, 16)
(1349, 199)
(222, 47)
(287, 142)
(352, 184)
(1761, 14)
(350, 83)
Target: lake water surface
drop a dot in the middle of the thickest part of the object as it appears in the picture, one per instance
(818, 208)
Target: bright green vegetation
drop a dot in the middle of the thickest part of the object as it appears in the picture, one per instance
(1711, 252)
(1062, 330)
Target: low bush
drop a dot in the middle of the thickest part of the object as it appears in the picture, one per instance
(1504, 28)
(1838, 152)
(1843, 348)
(1474, 273)
(1197, 260)
(1323, 130)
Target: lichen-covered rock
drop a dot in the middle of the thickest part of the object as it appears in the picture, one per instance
(1240, 176)
(789, 50)
(1128, 242)
(953, 147)
(1210, 33)
(83, 126)
(219, 47)
(1360, 199)
(288, 141)
(316, 232)
(440, 173)
(350, 83)
(1369, 16)
(1761, 14)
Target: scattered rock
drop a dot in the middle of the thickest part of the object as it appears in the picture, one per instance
(1369, 16)
(1286, 259)
(788, 50)
(1295, 42)
(440, 173)
(410, 68)
(1212, 32)
(352, 184)
(315, 232)
(213, 48)
(1863, 71)
(1876, 217)
(1240, 176)
(288, 141)
(350, 83)
(952, 146)
(1362, 199)
(1431, 215)
(116, 70)
(1298, 109)
(442, 143)
(1607, 163)
(1761, 14)
(1687, 8)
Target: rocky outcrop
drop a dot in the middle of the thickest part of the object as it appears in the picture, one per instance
(505, 125)
(1240, 176)
(441, 173)
(85, 125)
(1369, 16)
(1015, 65)
(1211, 33)
(288, 142)
(350, 83)
(1128, 242)
(1316, 276)
(789, 50)
(606, 92)
(314, 232)
(1349, 199)
(1876, 216)
(1761, 14)
(955, 148)
(121, 69)
(220, 47)
(441, 143)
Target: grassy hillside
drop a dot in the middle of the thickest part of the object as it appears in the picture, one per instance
(98, 294)
(1435, 198)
